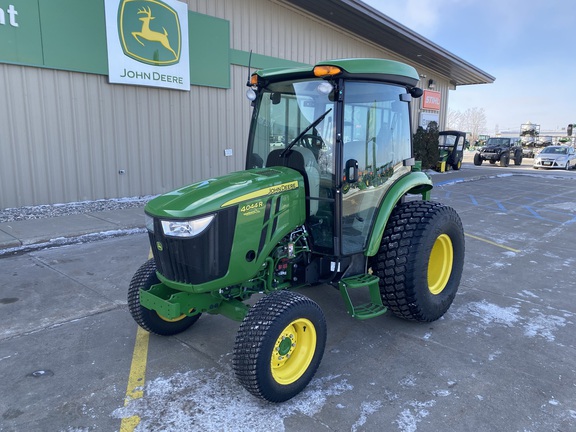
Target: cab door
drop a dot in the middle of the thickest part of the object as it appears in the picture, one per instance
(375, 142)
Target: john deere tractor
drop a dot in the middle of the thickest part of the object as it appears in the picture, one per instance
(330, 196)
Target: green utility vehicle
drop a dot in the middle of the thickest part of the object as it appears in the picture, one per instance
(331, 195)
(451, 150)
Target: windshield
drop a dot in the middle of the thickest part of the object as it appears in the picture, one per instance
(555, 150)
(447, 141)
(498, 141)
(285, 110)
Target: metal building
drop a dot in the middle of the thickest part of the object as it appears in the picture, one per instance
(69, 134)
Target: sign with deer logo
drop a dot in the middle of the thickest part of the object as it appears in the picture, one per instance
(148, 43)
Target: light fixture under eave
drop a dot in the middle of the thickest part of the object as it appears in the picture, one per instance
(431, 84)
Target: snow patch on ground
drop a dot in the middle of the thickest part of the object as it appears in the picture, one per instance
(569, 206)
(543, 325)
(367, 408)
(488, 314)
(71, 208)
(65, 241)
(212, 400)
(409, 418)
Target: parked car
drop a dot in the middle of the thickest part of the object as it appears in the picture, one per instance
(557, 156)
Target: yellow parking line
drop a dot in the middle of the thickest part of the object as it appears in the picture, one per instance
(136, 379)
(492, 243)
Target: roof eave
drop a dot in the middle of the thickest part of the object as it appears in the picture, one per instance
(368, 23)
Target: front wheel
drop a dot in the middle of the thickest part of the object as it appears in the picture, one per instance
(148, 319)
(504, 160)
(477, 159)
(420, 260)
(279, 345)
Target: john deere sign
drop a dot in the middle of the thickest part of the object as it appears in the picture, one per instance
(148, 43)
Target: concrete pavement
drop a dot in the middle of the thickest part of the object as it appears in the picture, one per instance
(502, 358)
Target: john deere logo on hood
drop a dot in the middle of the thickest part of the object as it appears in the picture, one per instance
(149, 32)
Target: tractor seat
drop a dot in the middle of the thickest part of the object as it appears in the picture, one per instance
(302, 160)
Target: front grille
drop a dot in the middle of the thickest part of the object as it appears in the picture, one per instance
(198, 259)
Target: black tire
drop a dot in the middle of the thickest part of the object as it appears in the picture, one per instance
(477, 159)
(457, 165)
(492, 162)
(420, 260)
(267, 362)
(149, 320)
(504, 160)
(518, 158)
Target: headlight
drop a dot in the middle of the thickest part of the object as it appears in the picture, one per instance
(186, 228)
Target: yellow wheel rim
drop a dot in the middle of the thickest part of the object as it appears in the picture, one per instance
(179, 318)
(293, 351)
(440, 264)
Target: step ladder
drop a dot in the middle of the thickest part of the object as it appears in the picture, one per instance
(367, 310)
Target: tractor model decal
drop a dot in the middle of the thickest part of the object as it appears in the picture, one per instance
(272, 190)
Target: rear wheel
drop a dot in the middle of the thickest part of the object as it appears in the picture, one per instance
(148, 319)
(420, 260)
(504, 160)
(457, 165)
(279, 345)
(518, 158)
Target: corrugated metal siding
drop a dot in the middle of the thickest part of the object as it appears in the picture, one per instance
(65, 136)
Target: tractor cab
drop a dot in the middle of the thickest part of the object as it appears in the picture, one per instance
(347, 134)
(451, 147)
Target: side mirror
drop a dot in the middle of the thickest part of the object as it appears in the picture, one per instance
(275, 98)
(416, 92)
(351, 171)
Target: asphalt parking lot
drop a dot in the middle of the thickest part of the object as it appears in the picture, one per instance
(502, 358)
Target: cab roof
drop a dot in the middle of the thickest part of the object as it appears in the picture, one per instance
(357, 68)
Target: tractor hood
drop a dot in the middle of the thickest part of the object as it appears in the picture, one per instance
(215, 194)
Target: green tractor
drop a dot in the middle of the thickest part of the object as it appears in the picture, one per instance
(451, 148)
(331, 196)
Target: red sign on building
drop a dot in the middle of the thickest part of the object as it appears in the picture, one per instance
(431, 100)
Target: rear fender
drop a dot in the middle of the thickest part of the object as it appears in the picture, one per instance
(414, 183)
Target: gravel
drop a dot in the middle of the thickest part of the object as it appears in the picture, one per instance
(55, 210)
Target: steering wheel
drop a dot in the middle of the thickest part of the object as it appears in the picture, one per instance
(312, 142)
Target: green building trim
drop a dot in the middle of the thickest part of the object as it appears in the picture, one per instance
(70, 35)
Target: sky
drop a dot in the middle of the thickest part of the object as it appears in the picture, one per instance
(529, 46)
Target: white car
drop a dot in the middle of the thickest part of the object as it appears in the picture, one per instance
(556, 156)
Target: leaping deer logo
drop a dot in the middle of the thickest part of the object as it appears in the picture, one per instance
(151, 35)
